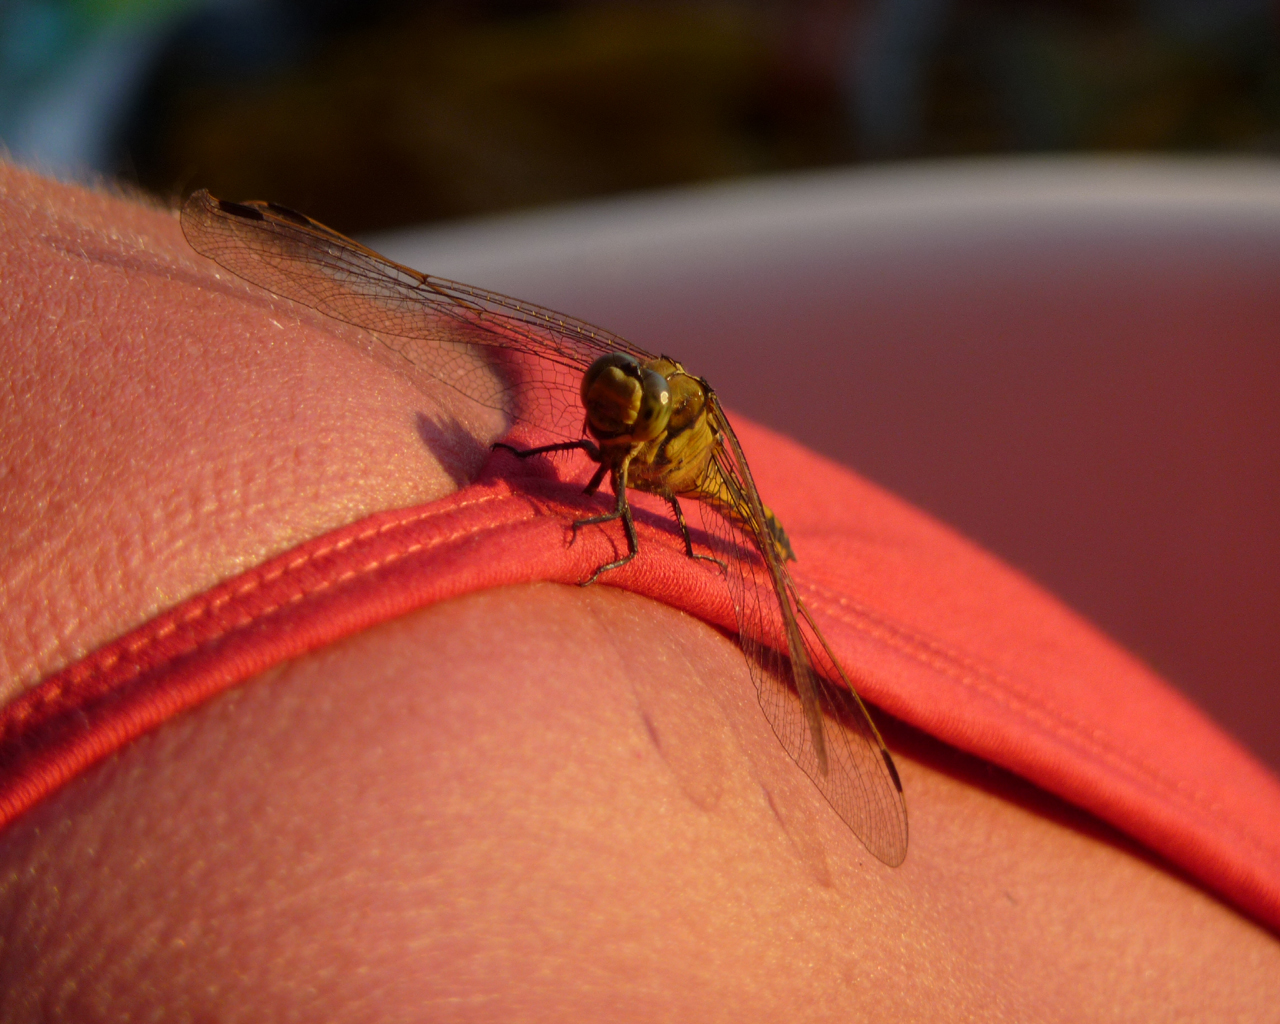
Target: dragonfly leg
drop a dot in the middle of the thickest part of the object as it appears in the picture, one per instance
(621, 510)
(582, 445)
(593, 484)
(684, 532)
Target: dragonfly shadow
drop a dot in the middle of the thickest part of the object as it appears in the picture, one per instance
(455, 446)
(89, 247)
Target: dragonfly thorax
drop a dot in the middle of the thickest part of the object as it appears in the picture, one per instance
(625, 400)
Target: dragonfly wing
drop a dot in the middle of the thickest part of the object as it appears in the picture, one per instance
(839, 747)
(505, 354)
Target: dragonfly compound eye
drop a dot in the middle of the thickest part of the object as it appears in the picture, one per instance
(625, 399)
(655, 406)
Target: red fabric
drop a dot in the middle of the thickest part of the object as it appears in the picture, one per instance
(939, 633)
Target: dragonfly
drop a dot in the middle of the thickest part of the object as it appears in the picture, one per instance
(646, 422)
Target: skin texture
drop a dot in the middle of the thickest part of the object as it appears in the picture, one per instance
(540, 803)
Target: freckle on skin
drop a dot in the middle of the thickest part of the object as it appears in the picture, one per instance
(772, 806)
(653, 732)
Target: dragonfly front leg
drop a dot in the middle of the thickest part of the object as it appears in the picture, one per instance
(621, 510)
(597, 478)
(593, 453)
(583, 445)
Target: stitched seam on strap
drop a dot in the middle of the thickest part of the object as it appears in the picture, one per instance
(1000, 687)
(53, 694)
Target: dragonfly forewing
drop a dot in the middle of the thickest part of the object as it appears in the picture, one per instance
(513, 356)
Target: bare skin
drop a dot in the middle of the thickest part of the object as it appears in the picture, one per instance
(588, 820)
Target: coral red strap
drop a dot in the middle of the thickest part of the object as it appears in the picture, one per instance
(939, 634)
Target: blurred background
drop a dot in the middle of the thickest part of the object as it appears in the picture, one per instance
(1022, 257)
(374, 113)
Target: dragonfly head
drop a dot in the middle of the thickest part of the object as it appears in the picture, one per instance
(625, 399)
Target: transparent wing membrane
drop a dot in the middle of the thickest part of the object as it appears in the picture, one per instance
(530, 359)
(823, 727)
(528, 362)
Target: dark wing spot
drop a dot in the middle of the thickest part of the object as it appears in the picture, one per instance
(893, 768)
(239, 210)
